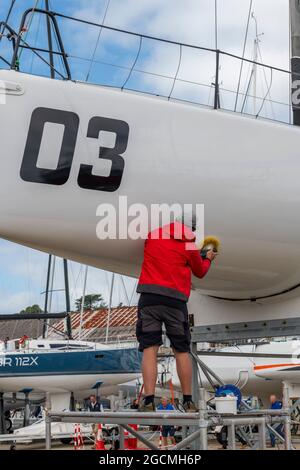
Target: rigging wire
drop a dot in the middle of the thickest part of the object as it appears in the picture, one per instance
(27, 28)
(41, 57)
(73, 290)
(10, 10)
(134, 63)
(177, 72)
(243, 55)
(124, 289)
(167, 41)
(265, 97)
(266, 81)
(98, 41)
(133, 292)
(35, 42)
(57, 46)
(247, 90)
(155, 74)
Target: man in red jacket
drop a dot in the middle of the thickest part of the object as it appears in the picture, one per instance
(170, 257)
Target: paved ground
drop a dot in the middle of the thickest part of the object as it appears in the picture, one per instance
(213, 445)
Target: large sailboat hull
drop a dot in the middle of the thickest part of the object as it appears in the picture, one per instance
(245, 172)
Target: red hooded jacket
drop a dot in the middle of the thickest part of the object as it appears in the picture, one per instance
(170, 257)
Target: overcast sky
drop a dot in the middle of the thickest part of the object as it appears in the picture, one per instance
(23, 271)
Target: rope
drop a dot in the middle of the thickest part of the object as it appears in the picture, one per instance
(243, 56)
(98, 41)
(140, 394)
(172, 392)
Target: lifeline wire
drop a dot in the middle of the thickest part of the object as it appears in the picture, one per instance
(98, 40)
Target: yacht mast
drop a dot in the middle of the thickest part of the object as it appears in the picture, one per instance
(295, 60)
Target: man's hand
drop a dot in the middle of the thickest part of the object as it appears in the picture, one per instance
(211, 254)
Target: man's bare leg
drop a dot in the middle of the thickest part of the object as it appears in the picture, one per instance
(184, 371)
(149, 369)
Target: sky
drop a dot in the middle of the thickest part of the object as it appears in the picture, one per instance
(23, 271)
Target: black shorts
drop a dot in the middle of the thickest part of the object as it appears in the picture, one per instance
(154, 311)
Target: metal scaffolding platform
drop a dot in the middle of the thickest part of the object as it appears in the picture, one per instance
(195, 425)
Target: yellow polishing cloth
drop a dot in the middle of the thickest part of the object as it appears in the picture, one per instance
(214, 242)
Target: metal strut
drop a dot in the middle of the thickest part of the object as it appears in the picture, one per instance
(51, 16)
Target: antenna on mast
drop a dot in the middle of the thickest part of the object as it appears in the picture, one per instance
(295, 60)
(255, 60)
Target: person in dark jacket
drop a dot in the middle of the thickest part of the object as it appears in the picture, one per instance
(94, 406)
(275, 405)
(170, 259)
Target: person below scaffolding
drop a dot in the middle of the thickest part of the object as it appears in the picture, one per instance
(170, 256)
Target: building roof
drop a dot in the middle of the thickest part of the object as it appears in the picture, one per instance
(17, 328)
(121, 325)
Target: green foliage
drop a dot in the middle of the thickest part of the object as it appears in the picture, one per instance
(33, 309)
(91, 302)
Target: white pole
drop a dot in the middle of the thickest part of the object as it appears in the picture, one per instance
(51, 293)
(83, 300)
(109, 308)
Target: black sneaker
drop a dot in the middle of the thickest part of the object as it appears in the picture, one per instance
(190, 407)
(149, 408)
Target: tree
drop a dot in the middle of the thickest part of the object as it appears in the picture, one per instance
(33, 309)
(91, 302)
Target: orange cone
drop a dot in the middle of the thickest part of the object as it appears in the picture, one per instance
(99, 444)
